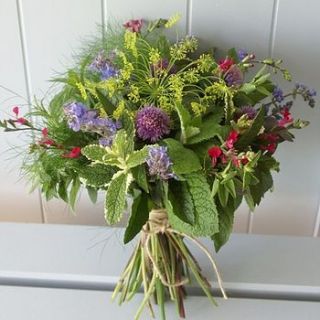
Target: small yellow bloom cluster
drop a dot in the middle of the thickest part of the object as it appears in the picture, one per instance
(176, 87)
(154, 56)
(172, 20)
(134, 95)
(130, 40)
(82, 90)
(179, 50)
(198, 108)
(206, 63)
(191, 76)
(119, 110)
(127, 68)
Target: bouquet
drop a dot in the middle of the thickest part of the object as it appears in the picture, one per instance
(186, 137)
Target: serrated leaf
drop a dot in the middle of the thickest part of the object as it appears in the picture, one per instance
(205, 212)
(96, 175)
(139, 216)
(116, 197)
(137, 158)
(248, 137)
(94, 152)
(184, 160)
(140, 177)
(181, 200)
(209, 128)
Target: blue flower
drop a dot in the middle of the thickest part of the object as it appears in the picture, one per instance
(159, 163)
(242, 54)
(75, 112)
(278, 94)
(306, 93)
(103, 67)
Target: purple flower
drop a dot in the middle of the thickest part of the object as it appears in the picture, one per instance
(242, 54)
(233, 76)
(159, 163)
(75, 111)
(103, 66)
(250, 111)
(152, 123)
(163, 64)
(278, 94)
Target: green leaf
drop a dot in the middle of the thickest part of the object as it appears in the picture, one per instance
(74, 192)
(185, 119)
(226, 219)
(205, 212)
(248, 137)
(140, 177)
(247, 88)
(184, 160)
(209, 128)
(223, 195)
(96, 175)
(62, 191)
(116, 197)
(94, 153)
(137, 158)
(139, 216)
(93, 194)
(181, 201)
(105, 101)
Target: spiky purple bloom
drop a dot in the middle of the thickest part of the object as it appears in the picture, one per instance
(242, 54)
(233, 76)
(250, 111)
(103, 66)
(159, 163)
(278, 94)
(152, 123)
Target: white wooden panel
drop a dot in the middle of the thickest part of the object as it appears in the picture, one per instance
(120, 11)
(16, 203)
(292, 208)
(51, 304)
(54, 35)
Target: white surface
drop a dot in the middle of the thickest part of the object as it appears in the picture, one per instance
(51, 304)
(93, 257)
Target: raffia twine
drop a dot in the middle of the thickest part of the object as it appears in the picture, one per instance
(159, 223)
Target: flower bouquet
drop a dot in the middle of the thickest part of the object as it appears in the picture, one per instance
(183, 135)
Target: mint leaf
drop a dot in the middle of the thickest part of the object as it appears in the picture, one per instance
(139, 216)
(137, 157)
(209, 128)
(226, 219)
(205, 212)
(116, 197)
(96, 175)
(181, 200)
(140, 177)
(94, 152)
(184, 160)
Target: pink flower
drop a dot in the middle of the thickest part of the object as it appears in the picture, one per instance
(232, 139)
(225, 64)
(22, 120)
(214, 153)
(74, 153)
(44, 132)
(16, 110)
(133, 25)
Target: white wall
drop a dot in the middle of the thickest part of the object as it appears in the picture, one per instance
(50, 30)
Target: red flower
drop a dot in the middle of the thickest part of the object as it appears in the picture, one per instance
(232, 139)
(287, 118)
(44, 132)
(214, 153)
(74, 153)
(133, 25)
(16, 110)
(244, 160)
(225, 64)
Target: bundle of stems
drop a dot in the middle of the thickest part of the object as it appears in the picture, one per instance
(162, 264)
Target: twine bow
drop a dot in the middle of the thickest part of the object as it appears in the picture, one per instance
(158, 223)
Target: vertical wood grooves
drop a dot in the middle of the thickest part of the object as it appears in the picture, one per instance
(27, 78)
(104, 18)
(189, 17)
(273, 27)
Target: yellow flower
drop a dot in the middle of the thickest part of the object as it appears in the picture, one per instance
(82, 90)
(130, 39)
(172, 20)
(198, 108)
(119, 110)
(134, 95)
(154, 56)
